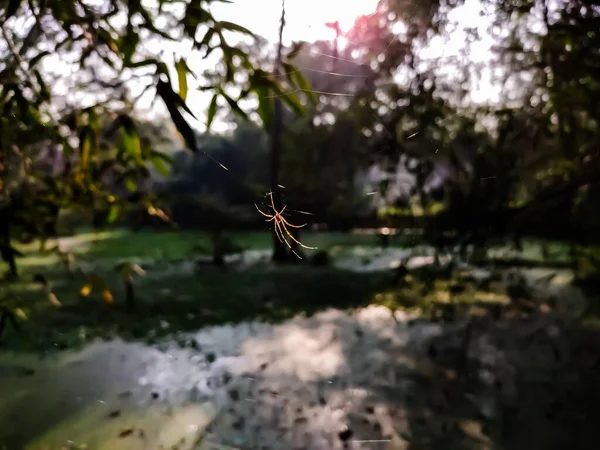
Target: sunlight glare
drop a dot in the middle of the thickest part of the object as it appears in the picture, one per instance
(316, 13)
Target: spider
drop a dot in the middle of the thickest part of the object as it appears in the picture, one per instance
(280, 226)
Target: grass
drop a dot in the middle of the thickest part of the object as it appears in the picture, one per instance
(178, 301)
(183, 300)
(122, 244)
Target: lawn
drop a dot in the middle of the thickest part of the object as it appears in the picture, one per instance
(171, 298)
(174, 296)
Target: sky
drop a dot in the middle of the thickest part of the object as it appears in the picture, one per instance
(306, 19)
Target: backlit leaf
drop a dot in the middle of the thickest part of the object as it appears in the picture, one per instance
(182, 72)
(212, 111)
(107, 296)
(265, 106)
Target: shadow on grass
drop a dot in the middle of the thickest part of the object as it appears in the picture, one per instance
(178, 303)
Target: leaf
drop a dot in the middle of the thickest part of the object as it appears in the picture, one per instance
(182, 72)
(44, 92)
(128, 44)
(130, 183)
(296, 48)
(161, 162)
(292, 100)
(205, 42)
(54, 300)
(113, 213)
(235, 27)
(143, 63)
(85, 146)
(132, 143)
(171, 101)
(12, 8)
(299, 80)
(233, 104)
(265, 106)
(107, 296)
(37, 58)
(212, 111)
(86, 289)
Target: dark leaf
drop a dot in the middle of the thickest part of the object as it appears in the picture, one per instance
(233, 105)
(212, 111)
(235, 27)
(44, 92)
(126, 432)
(265, 106)
(12, 8)
(143, 63)
(296, 48)
(37, 58)
(171, 101)
(205, 42)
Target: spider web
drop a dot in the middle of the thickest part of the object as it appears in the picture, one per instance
(269, 211)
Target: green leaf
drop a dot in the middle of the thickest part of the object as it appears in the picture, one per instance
(131, 141)
(128, 44)
(235, 27)
(293, 101)
(113, 213)
(182, 71)
(130, 183)
(212, 111)
(161, 164)
(86, 138)
(12, 8)
(299, 80)
(265, 106)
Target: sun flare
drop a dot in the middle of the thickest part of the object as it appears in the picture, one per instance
(317, 13)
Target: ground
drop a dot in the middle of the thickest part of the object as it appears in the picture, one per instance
(294, 357)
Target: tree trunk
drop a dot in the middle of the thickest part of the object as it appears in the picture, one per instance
(129, 293)
(280, 253)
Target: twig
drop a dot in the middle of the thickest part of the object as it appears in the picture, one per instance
(17, 56)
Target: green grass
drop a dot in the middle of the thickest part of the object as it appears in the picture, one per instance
(178, 302)
(122, 244)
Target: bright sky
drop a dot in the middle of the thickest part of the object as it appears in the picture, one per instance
(305, 20)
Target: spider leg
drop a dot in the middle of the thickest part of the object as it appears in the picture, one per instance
(279, 228)
(278, 232)
(290, 225)
(264, 214)
(297, 241)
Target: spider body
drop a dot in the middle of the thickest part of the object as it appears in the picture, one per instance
(280, 225)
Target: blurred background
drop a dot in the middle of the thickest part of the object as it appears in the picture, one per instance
(299, 224)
